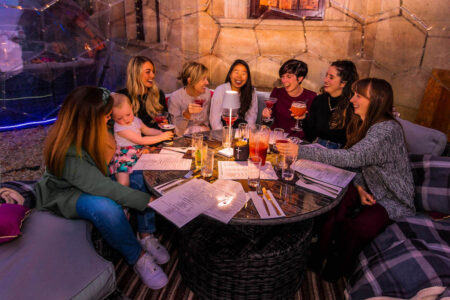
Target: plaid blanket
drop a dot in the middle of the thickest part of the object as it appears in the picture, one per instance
(407, 257)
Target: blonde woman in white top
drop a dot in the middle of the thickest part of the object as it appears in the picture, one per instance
(238, 79)
(189, 106)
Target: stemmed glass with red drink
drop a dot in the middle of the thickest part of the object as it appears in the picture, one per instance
(199, 101)
(229, 120)
(162, 118)
(270, 102)
(298, 109)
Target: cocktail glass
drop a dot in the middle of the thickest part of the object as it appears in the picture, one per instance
(298, 109)
(270, 102)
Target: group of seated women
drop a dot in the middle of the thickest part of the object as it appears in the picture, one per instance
(352, 118)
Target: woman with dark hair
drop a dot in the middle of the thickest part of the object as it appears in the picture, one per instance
(292, 74)
(331, 110)
(238, 79)
(383, 189)
(146, 98)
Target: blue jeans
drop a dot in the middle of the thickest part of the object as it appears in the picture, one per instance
(328, 144)
(146, 218)
(108, 217)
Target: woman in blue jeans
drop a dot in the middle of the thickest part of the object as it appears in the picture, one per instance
(76, 183)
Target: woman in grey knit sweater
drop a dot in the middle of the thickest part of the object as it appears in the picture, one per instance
(384, 184)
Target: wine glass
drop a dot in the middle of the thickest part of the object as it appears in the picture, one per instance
(229, 121)
(270, 102)
(162, 118)
(199, 101)
(298, 109)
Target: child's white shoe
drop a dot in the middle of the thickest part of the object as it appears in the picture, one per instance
(152, 246)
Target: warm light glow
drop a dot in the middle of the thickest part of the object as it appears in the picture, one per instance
(224, 201)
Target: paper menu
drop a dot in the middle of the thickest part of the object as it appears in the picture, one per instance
(318, 188)
(162, 162)
(187, 203)
(230, 198)
(239, 170)
(324, 173)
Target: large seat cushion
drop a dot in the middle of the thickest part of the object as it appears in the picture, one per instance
(423, 140)
(409, 256)
(54, 259)
(432, 182)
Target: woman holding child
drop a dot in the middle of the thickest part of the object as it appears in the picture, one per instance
(146, 98)
(383, 187)
(76, 182)
(238, 79)
(189, 106)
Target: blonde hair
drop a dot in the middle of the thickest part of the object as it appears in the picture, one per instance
(80, 122)
(194, 70)
(136, 88)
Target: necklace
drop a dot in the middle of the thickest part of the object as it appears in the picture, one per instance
(329, 104)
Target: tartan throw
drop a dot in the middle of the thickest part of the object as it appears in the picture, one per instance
(432, 182)
(24, 188)
(408, 256)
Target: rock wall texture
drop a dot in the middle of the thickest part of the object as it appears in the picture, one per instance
(398, 40)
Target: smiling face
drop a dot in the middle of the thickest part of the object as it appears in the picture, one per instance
(123, 114)
(238, 77)
(200, 86)
(147, 74)
(291, 83)
(333, 84)
(361, 104)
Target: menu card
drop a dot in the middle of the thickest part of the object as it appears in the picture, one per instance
(322, 178)
(186, 203)
(230, 198)
(239, 170)
(162, 162)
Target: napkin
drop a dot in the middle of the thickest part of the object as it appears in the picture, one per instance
(228, 152)
(258, 202)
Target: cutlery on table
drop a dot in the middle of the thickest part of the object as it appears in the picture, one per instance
(258, 192)
(271, 201)
(174, 150)
(318, 184)
(166, 183)
(178, 184)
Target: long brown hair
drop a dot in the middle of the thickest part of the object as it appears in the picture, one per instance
(137, 89)
(381, 97)
(80, 122)
(346, 70)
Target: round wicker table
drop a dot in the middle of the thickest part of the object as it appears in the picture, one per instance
(250, 257)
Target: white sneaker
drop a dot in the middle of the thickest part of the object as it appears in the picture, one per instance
(152, 246)
(151, 274)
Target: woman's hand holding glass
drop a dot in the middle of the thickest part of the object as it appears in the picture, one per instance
(287, 148)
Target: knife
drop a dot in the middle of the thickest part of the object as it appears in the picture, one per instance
(178, 184)
(271, 201)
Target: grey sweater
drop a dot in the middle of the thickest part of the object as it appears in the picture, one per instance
(382, 159)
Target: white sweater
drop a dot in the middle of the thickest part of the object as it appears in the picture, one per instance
(215, 114)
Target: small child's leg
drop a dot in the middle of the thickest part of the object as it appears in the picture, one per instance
(123, 178)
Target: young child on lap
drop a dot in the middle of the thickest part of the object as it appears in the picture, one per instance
(128, 131)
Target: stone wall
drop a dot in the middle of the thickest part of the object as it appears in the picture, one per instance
(400, 41)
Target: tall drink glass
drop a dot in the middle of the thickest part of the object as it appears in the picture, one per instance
(259, 142)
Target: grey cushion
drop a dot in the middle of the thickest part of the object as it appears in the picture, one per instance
(54, 259)
(423, 140)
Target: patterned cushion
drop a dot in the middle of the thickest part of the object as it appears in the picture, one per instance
(409, 256)
(25, 190)
(432, 181)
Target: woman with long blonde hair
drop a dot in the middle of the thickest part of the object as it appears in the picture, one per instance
(76, 182)
(146, 98)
